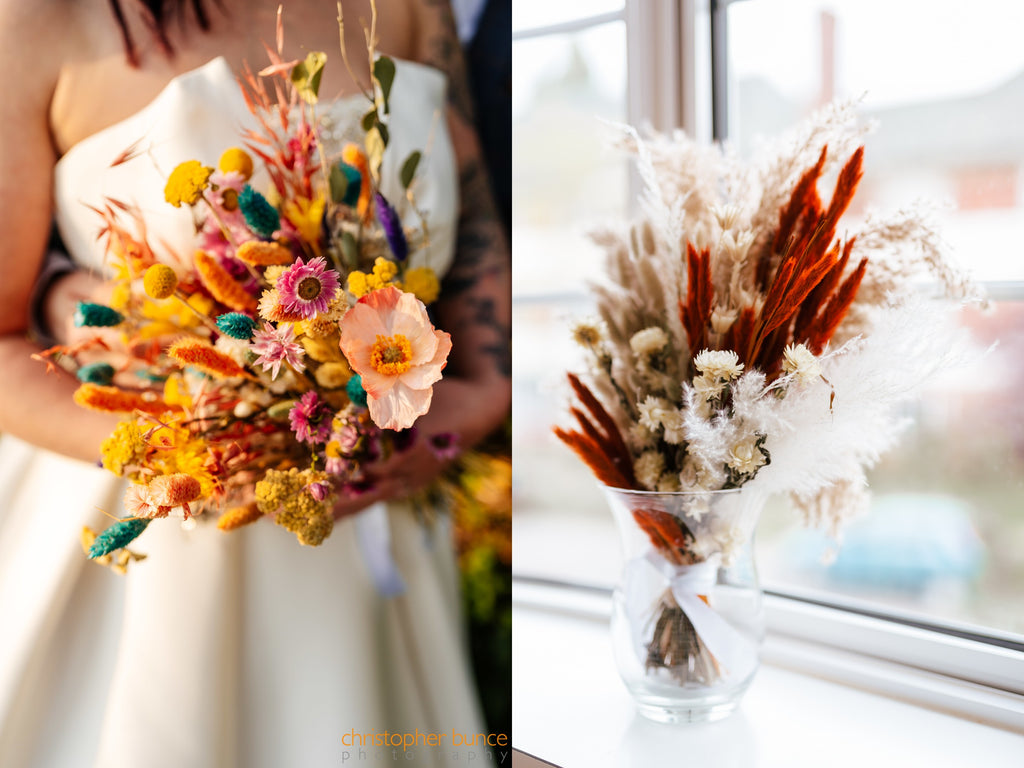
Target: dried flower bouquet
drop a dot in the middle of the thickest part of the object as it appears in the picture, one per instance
(747, 339)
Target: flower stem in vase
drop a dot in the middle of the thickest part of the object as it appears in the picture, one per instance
(676, 646)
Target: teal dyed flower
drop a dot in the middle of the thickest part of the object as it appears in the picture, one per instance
(346, 183)
(96, 316)
(96, 373)
(355, 391)
(120, 534)
(236, 325)
(261, 217)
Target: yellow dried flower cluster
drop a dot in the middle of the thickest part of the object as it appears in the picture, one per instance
(284, 495)
(361, 283)
(186, 183)
(125, 447)
(423, 283)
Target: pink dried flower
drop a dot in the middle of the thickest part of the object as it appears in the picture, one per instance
(275, 346)
(137, 503)
(319, 490)
(175, 490)
(308, 289)
(310, 419)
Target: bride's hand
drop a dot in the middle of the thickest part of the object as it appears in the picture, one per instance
(462, 412)
(62, 297)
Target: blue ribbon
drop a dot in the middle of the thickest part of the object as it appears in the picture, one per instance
(373, 535)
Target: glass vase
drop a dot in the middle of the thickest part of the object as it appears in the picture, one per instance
(687, 619)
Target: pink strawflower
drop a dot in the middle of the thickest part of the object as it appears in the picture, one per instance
(277, 345)
(389, 341)
(310, 419)
(308, 289)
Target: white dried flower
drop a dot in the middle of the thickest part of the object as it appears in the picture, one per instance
(653, 410)
(639, 435)
(648, 341)
(800, 362)
(721, 364)
(707, 389)
(745, 456)
(726, 215)
(730, 540)
(648, 469)
(722, 319)
(668, 484)
(236, 349)
(674, 424)
(737, 246)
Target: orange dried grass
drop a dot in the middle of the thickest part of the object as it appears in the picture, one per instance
(201, 354)
(237, 517)
(598, 442)
(113, 400)
(221, 285)
(261, 254)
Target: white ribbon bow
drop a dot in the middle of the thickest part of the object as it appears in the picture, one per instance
(734, 653)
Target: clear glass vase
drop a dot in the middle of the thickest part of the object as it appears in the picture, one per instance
(687, 621)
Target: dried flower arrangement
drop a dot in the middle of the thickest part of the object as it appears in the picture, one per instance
(746, 341)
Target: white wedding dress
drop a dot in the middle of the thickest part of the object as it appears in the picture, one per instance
(220, 650)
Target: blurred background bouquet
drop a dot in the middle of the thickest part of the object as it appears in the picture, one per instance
(746, 340)
(258, 374)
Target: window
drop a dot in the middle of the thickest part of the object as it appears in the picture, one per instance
(570, 75)
(955, 487)
(944, 535)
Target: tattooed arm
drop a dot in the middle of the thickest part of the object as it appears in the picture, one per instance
(475, 303)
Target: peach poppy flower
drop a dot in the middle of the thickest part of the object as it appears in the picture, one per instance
(389, 341)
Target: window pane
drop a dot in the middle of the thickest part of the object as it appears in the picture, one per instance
(947, 526)
(530, 14)
(565, 182)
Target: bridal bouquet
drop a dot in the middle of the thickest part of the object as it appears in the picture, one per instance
(747, 340)
(259, 373)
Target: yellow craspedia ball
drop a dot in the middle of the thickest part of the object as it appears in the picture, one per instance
(238, 160)
(160, 281)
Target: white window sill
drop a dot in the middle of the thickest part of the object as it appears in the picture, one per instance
(571, 710)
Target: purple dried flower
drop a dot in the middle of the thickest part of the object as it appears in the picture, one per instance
(392, 226)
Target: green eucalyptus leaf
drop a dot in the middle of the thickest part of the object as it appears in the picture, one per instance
(349, 249)
(306, 75)
(409, 168)
(384, 74)
(338, 182)
(370, 119)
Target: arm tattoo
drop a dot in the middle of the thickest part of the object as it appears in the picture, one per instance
(444, 51)
(478, 247)
(479, 253)
(482, 313)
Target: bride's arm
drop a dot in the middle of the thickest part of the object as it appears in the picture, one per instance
(475, 303)
(33, 405)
